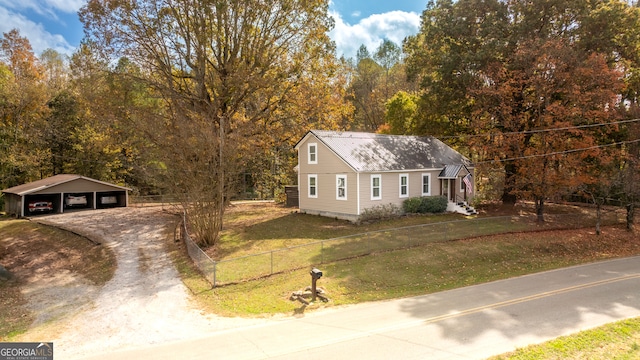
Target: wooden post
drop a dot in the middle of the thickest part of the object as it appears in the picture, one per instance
(315, 275)
(313, 288)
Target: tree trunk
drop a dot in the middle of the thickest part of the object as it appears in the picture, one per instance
(630, 215)
(540, 209)
(222, 173)
(508, 198)
(598, 217)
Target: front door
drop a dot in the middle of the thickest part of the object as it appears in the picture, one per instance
(452, 190)
(448, 189)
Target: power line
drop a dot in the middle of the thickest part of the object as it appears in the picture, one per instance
(536, 131)
(133, 165)
(558, 152)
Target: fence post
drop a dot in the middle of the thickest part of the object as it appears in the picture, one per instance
(271, 263)
(409, 241)
(446, 232)
(322, 252)
(215, 266)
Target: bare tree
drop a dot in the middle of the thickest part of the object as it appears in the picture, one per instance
(221, 67)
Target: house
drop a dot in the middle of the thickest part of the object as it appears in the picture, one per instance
(340, 174)
(64, 191)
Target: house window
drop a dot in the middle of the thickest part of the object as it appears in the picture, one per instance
(462, 186)
(341, 187)
(313, 153)
(376, 187)
(313, 186)
(404, 185)
(426, 184)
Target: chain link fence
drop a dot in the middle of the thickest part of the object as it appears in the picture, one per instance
(203, 262)
(264, 264)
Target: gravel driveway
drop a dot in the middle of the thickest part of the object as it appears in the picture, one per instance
(145, 303)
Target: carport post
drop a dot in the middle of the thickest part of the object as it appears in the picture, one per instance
(61, 203)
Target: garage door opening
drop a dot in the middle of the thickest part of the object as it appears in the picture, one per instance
(61, 193)
(41, 204)
(78, 201)
(110, 199)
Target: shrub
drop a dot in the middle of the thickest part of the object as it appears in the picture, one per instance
(412, 205)
(424, 205)
(380, 212)
(433, 205)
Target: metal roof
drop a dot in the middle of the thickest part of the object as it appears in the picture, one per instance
(451, 171)
(367, 152)
(42, 184)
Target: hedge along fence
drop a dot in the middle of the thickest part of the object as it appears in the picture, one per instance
(229, 271)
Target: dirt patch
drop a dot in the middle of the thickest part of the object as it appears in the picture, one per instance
(144, 303)
(52, 273)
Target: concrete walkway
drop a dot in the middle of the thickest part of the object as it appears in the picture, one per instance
(469, 323)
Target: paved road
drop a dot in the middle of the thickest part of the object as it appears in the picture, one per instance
(469, 323)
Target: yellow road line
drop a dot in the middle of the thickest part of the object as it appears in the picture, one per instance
(529, 298)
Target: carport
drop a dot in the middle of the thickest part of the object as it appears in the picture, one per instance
(59, 189)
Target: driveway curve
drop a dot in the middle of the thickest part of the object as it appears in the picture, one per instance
(145, 303)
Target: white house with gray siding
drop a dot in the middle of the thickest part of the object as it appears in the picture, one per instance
(340, 174)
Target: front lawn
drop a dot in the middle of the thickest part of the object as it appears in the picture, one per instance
(388, 274)
(262, 239)
(251, 228)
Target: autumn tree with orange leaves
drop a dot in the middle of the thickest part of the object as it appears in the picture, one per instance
(531, 89)
(548, 86)
(23, 100)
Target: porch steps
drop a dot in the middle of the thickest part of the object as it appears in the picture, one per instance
(464, 208)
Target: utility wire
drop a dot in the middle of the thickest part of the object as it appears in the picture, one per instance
(524, 157)
(477, 135)
(536, 131)
(558, 152)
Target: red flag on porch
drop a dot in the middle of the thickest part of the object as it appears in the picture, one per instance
(467, 181)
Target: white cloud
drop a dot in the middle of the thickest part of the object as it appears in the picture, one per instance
(67, 6)
(370, 31)
(44, 7)
(39, 38)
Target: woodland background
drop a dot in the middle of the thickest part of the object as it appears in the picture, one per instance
(204, 100)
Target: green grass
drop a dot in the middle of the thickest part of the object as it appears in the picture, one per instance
(619, 340)
(291, 229)
(291, 241)
(431, 267)
(422, 267)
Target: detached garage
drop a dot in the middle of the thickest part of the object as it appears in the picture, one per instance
(62, 192)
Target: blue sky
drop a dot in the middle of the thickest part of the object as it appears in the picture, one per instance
(368, 22)
(54, 23)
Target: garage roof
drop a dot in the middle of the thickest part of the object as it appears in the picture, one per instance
(39, 185)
